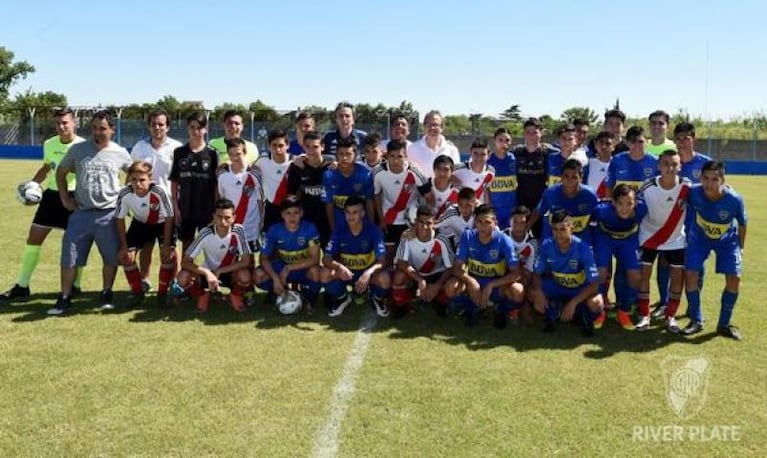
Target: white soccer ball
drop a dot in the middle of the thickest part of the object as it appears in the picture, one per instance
(290, 302)
(29, 193)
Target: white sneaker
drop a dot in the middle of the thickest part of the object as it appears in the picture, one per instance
(644, 323)
(339, 308)
(672, 326)
(380, 307)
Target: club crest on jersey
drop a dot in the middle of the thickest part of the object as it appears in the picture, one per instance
(183, 163)
(301, 241)
(493, 254)
(154, 206)
(696, 173)
(582, 207)
(357, 187)
(724, 215)
(573, 263)
(648, 172)
(248, 190)
(364, 245)
(205, 165)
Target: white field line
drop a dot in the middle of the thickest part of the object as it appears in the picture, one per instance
(326, 440)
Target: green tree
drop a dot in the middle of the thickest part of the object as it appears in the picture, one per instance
(573, 113)
(512, 114)
(457, 125)
(42, 102)
(263, 112)
(11, 72)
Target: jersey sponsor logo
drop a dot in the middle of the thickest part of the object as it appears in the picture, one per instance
(712, 230)
(493, 254)
(569, 280)
(635, 184)
(619, 235)
(358, 261)
(554, 180)
(339, 201)
(503, 184)
(294, 256)
(482, 269)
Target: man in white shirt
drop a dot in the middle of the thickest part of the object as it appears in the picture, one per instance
(423, 152)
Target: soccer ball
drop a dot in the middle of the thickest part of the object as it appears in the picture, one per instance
(29, 193)
(290, 302)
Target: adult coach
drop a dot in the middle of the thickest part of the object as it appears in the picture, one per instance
(50, 213)
(97, 165)
(233, 126)
(432, 145)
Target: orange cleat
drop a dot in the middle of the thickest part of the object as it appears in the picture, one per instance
(624, 319)
(600, 320)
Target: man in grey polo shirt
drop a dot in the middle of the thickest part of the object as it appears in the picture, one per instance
(97, 164)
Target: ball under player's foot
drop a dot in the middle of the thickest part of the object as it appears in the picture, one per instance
(17, 293)
(624, 320)
(644, 323)
(729, 331)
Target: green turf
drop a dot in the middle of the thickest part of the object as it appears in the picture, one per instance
(146, 383)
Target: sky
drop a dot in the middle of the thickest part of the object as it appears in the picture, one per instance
(480, 56)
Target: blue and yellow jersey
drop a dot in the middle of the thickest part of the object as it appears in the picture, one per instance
(693, 169)
(357, 252)
(612, 226)
(624, 169)
(487, 260)
(336, 188)
(290, 247)
(574, 268)
(712, 221)
(503, 188)
(580, 208)
(554, 163)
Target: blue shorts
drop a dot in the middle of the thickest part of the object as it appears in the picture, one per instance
(624, 250)
(495, 296)
(728, 258)
(554, 291)
(296, 276)
(84, 228)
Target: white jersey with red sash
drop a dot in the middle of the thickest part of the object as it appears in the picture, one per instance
(399, 191)
(274, 178)
(451, 224)
(245, 191)
(478, 181)
(443, 199)
(219, 251)
(597, 177)
(663, 226)
(428, 258)
(527, 250)
(153, 208)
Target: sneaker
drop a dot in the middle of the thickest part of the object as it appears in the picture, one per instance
(176, 290)
(659, 311)
(624, 319)
(18, 293)
(550, 326)
(729, 331)
(672, 326)
(202, 302)
(134, 300)
(162, 300)
(105, 300)
(238, 304)
(339, 305)
(379, 304)
(644, 323)
(500, 321)
(599, 321)
(63, 305)
(146, 285)
(693, 328)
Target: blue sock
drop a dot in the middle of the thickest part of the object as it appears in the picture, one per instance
(620, 284)
(663, 278)
(630, 298)
(378, 292)
(728, 303)
(460, 303)
(693, 307)
(552, 312)
(336, 288)
(701, 274)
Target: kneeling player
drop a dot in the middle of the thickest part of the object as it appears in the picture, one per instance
(291, 254)
(486, 266)
(152, 219)
(227, 258)
(424, 262)
(355, 256)
(566, 279)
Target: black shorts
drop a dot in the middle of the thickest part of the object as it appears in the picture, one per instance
(140, 234)
(675, 258)
(433, 278)
(393, 233)
(189, 228)
(51, 212)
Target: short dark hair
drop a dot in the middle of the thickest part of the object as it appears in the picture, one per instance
(157, 112)
(484, 209)
(224, 204)
(104, 115)
(425, 210)
(573, 164)
(234, 143)
(312, 135)
(559, 216)
(59, 112)
(634, 132)
(621, 190)
(467, 193)
(685, 127)
(521, 210)
(479, 143)
(566, 127)
(274, 134)
(615, 113)
(303, 115)
(668, 152)
(347, 143)
(660, 113)
(397, 115)
(230, 113)
(714, 166)
(198, 116)
(579, 122)
(290, 201)
(602, 135)
(395, 145)
(354, 200)
(341, 106)
(500, 131)
(444, 159)
(372, 140)
(532, 122)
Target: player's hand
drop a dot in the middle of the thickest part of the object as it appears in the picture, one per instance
(278, 288)
(485, 296)
(430, 292)
(212, 281)
(332, 165)
(362, 283)
(69, 202)
(567, 312)
(123, 257)
(422, 287)
(284, 275)
(408, 234)
(472, 287)
(344, 274)
(177, 215)
(167, 254)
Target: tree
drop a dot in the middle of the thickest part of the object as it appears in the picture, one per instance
(573, 113)
(512, 114)
(263, 112)
(456, 125)
(370, 115)
(550, 124)
(42, 102)
(11, 72)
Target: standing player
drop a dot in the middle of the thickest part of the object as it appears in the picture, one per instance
(634, 166)
(714, 208)
(304, 123)
(355, 257)
(476, 174)
(273, 172)
(614, 122)
(531, 167)
(372, 152)
(226, 260)
(50, 213)
(443, 194)
(348, 179)
(659, 142)
(345, 132)
(503, 188)
(306, 183)
(459, 217)
(595, 173)
(555, 161)
(151, 220)
(233, 126)
(566, 279)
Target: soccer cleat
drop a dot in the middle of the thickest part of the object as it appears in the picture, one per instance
(339, 305)
(659, 311)
(599, 321)
(672, 326)
(238, 304)
(500, 321)
(624, 319)
(550, 326)
(105, 300)
(63, 305)
(135, 300)
(379, 304)
(146, 285)
(18, 293)
(693, 328)
(644, 323)
(729, 331)
(202, 302)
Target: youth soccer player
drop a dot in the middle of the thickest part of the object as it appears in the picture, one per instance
(443, 194)
(714, 208)
(531, 167)
(151, 220)
(555, 161)
(614, 121)
(306, 183)
(566, 279)
(459, 217)
(634, 166)
(226, 254)
(503, 188)
(303, 124)
(372, 152)
(475, 173)
(486, 265)
(348, 179)
(527, 249)
(595, 173)
(355, 257)
(273, 172)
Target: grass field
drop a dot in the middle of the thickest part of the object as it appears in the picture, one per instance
(148, 383)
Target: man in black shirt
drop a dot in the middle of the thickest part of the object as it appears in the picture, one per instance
(305, 181)
(531, 167)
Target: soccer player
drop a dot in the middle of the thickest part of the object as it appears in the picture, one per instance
(661, 233)
(306, 183)
(243, 187)
(432, 145)
(567, 145)
(503, 188)
(345, 132)
(233, 126)
(485, 268)
(51, 213)
(151, 220)
(291, 254)
(372, 152)
(355, 256)
(443, 194)
(595, 173)
(581, 135)
(714, 208)
(304, 123)
(659, 142)
(226, 260)
(273, 172)
(527, 249)
(476, 174)
(399, 129)
(634, 166)
(156, 150)
(97, 164)
(423, 263)
(459, 217)
(566, 279)
(193, 180)
(396, 187)
(348, 179)
(614, 122)
(531, 167)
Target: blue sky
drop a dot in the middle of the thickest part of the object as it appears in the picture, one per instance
(457, 56)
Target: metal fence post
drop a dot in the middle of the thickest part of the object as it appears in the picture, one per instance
(31, 111)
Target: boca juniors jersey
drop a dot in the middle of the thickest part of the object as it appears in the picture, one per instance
(579, 207)
(357, 252)
(609, 224)
(336, 188)
(712, 221)
(487, 260)
(624, 169)
(693, 168)
(290, 247)
(573, 268)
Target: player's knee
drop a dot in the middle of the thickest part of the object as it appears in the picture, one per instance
(382, 279)
(634, 278)
(595, 304)
(313, 273)
(517, 292)
(326, 275)
(399, 279)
